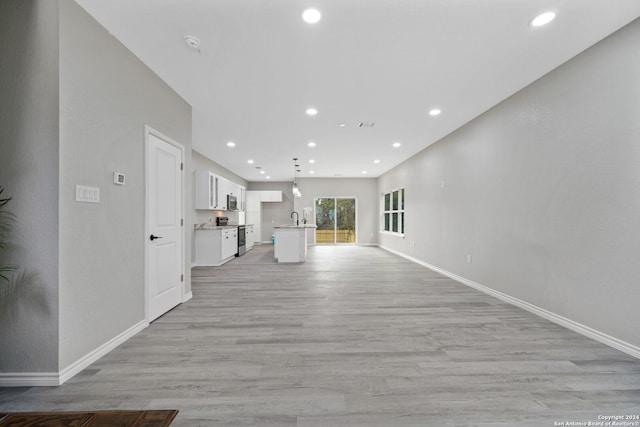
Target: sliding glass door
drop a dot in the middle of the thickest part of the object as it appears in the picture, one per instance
(336, 220)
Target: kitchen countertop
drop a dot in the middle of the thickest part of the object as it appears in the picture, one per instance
(212, 226)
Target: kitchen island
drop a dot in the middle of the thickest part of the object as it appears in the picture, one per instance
(291, 243)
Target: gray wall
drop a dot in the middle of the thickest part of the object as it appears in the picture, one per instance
(363, 189)
(543, 191)
(274, 213)
(29, 173)
(107, 96)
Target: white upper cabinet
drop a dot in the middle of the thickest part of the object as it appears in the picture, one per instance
(270, 196)
(221, 191)
(205, 195)
(242, 198)
(211, 191)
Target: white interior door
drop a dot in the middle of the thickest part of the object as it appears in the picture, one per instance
(164, 238)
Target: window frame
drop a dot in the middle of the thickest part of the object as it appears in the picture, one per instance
(393, 205)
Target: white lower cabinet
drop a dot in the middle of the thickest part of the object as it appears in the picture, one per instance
(249, 238)
(217, 246)
(229, 242)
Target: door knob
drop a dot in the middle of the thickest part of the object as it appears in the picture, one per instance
(152, 237)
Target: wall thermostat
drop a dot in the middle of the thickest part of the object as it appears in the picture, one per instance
(118, 178)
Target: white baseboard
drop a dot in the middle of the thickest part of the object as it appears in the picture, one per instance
(587, 331)
(29, 379)
(49, 379)
(80, 364)
(187, 297)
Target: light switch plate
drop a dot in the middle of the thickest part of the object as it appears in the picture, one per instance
(87, 194)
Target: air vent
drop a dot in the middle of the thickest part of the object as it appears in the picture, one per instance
(366, 124)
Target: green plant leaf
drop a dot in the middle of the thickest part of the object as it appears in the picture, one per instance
(7, 220)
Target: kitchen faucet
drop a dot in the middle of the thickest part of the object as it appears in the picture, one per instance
(297, 217)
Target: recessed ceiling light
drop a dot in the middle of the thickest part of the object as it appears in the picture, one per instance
(312, 111)
(342, 125)
(262, 172)
(312, 161)
(376, 161)
(250, 161)
(268, 177)
(311, 16)
(311, 144)
(543, 19)
(435, 112)
(231, 144)
(396, 144)
(192, 41)
(364, 172)
(311, 172)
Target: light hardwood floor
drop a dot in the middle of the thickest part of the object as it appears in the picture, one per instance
(356, 336)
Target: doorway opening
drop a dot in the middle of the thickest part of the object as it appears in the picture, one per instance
(335, 220)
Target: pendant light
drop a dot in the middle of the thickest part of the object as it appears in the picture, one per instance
(296, 190)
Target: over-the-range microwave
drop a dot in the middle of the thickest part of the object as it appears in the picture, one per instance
(232, 202)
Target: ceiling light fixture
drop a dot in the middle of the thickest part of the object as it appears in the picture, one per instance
(311, 144)
(192, 41)
(376, 161)
(296, 190)
(311, 16)
(262, 172)
(250, 161)
(342, 125)
(311, 161)
(543, 19)
(268, 177)
(364, 172)
(311, 172)
(396, 144)
(435, 112)
(231, 144)
(311, 111)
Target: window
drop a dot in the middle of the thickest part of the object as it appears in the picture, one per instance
(393, 212)
(335, 220)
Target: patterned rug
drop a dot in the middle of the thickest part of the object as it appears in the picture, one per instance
(160, 418)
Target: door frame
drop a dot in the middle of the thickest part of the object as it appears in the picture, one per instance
(315, 200)
(148, 130)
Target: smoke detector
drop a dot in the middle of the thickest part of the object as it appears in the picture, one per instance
(192, 41)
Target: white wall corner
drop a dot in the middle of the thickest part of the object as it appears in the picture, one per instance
(84, 362)
(187, 297)
(50, 379)
(587, 331)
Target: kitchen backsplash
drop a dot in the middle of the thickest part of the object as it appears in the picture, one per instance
(235, 217)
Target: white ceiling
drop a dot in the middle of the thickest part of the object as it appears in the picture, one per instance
(389, 62)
